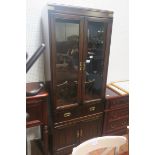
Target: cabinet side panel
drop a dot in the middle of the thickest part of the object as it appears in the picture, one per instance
(107, 54)
(45, 26)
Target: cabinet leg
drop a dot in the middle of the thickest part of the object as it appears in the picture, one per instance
(45, 139)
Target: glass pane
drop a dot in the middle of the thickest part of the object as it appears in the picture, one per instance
(94, 61)
(67, 61)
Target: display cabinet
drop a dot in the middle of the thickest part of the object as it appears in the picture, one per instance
(76, 63)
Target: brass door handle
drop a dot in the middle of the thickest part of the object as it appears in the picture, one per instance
(68, 114)
(80, 66)
(78, 134)
(81, 133)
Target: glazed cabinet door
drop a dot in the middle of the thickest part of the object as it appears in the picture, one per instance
(90, 128)
(95, 58)
(66, 55)
(65, 138)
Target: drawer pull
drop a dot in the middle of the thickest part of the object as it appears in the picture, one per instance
(92, 108)
(123, 123)
(68, 114)
(112, 126)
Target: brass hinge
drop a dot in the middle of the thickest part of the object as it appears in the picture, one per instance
(84, 66)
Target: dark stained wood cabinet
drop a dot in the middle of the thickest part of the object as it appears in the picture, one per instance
(116, 113)
(67, 135)
(76, 63)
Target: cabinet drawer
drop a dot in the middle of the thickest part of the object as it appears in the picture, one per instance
(66, 115)
(117, 124)
(34, 112)
(115, 114)
(92, 109)
(119, 132)
(119, 102)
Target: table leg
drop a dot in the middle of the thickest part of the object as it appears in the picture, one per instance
(45, 139)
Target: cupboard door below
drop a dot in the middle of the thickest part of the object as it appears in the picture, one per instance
(91, 128)
(65, 137)
(67, 55)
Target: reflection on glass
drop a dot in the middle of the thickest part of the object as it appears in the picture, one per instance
(67, 58)
(94, 61)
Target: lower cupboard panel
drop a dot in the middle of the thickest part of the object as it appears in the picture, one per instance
(64, 151)
(71, 134)
(64, 137)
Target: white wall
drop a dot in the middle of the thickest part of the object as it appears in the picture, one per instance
(34, 38)
(118, 63)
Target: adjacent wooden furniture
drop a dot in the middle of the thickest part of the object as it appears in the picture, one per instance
(36, 109)
(76, 60)
(116, 113)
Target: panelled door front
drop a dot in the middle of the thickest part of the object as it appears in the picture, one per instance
(95, 58)
(67, 46)
(65, 138)
(90, 128)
